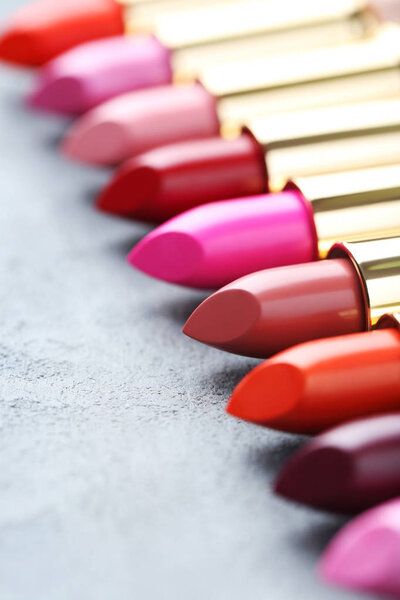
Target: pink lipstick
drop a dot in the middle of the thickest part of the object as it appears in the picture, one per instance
(236, 237)
(364, 555)
(237, 91)
(268, 311)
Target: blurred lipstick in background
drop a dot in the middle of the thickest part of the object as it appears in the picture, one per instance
(159, 184)
(139, 121)
(190, 39)
(319, 384)
(268, 311)
(212, 245)
(44, 29)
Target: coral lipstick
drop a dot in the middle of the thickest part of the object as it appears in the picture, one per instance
(352, 467)
(234, 92)
(268, 311)
(233, 238)
(299, 143)
(364, 555)
(186, 40)
(43, 29)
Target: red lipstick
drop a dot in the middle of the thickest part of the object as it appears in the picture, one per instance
(43, 29)
(294, 144)
(266, 312)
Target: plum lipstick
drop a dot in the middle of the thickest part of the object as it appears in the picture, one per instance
(268, 311)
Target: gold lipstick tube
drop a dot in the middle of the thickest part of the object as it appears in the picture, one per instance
(378, 266)
(354, 205)
(348, 72)
(180, 25)
(205, 34)
(329, 139)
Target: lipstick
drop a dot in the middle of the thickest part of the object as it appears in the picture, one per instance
(44, 29)
(235, 92)
(347, 469)
(364, 555)
(266, 312)
(273, 149)
(232, 238)
(322, 384)
(187, 41)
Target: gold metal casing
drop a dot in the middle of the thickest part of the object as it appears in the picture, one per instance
(355, 205)
(378, 266)
(181, 25)
(379, 51)
(329, 139)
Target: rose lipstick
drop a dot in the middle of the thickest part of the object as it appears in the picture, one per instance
(187, 41)
(139, 121)
(364, 555)
(212, 245)
(317, 385)
(266, 312)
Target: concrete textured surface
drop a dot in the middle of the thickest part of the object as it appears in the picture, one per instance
(121, 477)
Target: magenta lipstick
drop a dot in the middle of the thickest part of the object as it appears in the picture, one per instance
(236, 237)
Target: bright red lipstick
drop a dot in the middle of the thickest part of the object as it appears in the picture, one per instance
(43, 29)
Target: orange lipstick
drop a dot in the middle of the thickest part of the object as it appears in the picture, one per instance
(320, 384)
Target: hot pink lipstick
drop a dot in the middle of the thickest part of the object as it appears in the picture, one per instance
(264, 313)
(229, 239)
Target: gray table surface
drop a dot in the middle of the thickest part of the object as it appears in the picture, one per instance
(121, 476)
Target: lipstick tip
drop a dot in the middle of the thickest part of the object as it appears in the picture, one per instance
(95, 143)
(17, 47)
(269, 391)
(316, 476)
(133, 187)
(64, 94)
(171, 256)
(362, 557)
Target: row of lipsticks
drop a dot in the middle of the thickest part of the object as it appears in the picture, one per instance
(265, 136)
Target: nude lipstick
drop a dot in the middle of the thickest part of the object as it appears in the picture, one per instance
(262, 157)
(184, 41)
(139, 121)
(268, 311)
(229, 239)
(364, 555)
(348, 469)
